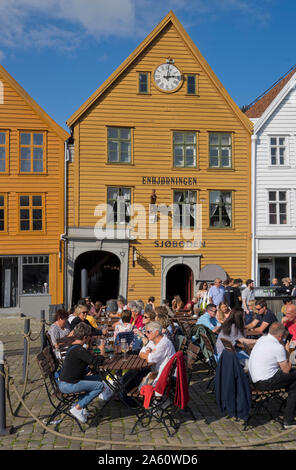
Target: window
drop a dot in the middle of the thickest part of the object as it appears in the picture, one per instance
(31, 212)
(184, 209)
(35, 274)
(143, 82)
(220, 148)
(3, 151)
(32, 152)
(277, 204)
(277, 150)
(119, 145)
(119, 202)
(2, 213)
(220, 209)
(191, 84)
(184, 144)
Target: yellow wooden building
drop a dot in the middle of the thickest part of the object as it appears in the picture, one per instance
(161, 133)
(31, 203)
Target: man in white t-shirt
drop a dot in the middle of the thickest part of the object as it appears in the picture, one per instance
(159, 348)
(270, 368)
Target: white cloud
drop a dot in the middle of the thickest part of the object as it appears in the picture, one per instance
(64, 24)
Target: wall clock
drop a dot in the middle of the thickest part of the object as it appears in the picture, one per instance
(167, 77)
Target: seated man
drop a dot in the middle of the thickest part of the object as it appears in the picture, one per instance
(270, 368)
(157, 351)
(263, 319)
(290, 320)
(209, 319)
(74, 378)
(58, 329)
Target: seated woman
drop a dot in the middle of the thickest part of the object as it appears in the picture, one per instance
(233, 330)
(124, 325)
(149, 315)
(81, 313)
(58, 329)
(177, 303)
(168, 327)
(74, 376)
(250, 316)
(223, 312)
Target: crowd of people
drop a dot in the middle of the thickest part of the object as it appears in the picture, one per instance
(224, 308)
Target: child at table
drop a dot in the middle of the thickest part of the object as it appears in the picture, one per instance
(124, 325)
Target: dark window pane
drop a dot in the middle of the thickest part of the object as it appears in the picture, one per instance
(1, 200)
(25, 225)
(282, 195)
(24, 201)
(37, 214)
(191, 84)
(37, 200)
(1, 225)
(272, 195)
(2, 138)
(38, 139)
(143, 83)
(25, 139)
(37, 224)
(24, 214)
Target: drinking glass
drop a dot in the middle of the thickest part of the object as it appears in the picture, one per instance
(124, 348)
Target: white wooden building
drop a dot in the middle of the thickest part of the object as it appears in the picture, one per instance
(274, 182)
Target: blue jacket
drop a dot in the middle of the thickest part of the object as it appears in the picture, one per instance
(233, 395)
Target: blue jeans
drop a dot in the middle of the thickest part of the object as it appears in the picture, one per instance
(90, 384)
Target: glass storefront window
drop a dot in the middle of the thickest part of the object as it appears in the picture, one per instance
(281, 267)
(35, 274)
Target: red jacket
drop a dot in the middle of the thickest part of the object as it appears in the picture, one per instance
(181, 393)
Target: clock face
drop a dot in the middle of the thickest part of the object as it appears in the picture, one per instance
(167, 77)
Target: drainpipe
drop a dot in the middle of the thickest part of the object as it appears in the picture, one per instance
(63, 237)
(254, 206)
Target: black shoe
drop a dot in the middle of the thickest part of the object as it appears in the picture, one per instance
(289, 425)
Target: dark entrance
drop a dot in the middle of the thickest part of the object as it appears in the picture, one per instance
(179, 281)
(101, 276)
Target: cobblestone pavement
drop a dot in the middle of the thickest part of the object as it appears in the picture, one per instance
(209, 430)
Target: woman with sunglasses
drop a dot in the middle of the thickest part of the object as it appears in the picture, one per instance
(149, 316)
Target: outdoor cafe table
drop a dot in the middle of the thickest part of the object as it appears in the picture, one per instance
(111, 372)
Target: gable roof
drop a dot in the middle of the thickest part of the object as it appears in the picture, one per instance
(260, 104)
(169, 18)
(62, 133)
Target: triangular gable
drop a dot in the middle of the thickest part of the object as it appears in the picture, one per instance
(284, 88)
(64, 135)
(263, 102)
(170, 18)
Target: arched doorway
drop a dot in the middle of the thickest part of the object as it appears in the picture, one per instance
(179, 281)
(96, 274)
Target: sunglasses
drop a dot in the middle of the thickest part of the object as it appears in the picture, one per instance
(258, 309)
(149, 331)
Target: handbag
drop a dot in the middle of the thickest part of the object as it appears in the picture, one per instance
(204, 302)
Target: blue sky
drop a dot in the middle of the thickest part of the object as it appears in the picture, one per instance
(61, 51)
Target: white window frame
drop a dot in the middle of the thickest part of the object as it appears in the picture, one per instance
(278, 146)
(277, 202)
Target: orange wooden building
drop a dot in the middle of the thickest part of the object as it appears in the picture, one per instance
(161, 125)
(31, 202)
